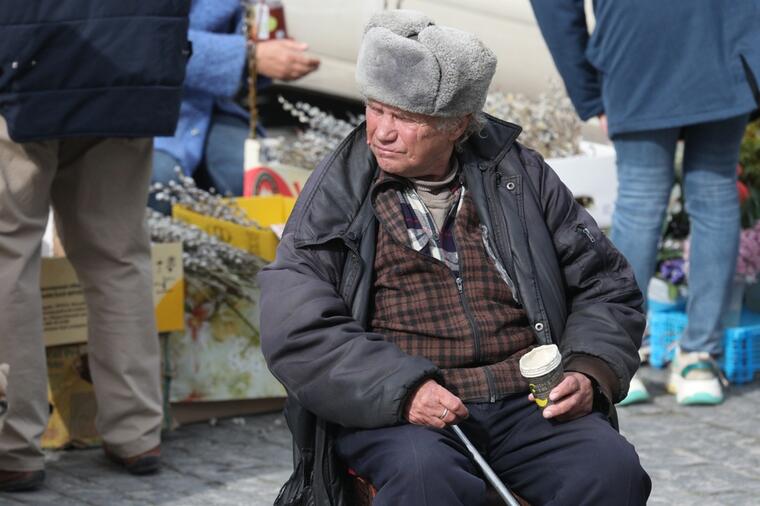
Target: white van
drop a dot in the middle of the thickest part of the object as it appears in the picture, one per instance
(333, 30)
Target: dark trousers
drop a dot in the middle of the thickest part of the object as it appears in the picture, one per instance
(584, 461)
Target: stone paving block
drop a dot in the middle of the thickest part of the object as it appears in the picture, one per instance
(694, 456)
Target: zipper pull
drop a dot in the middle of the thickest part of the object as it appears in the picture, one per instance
(460, 285)
(586, 232)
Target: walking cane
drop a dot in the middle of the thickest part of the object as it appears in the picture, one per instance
(491, 476)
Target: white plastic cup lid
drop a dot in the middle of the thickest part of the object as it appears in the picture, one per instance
(540, 360)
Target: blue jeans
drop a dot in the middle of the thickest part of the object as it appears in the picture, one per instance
(222, 159)
(645, 176)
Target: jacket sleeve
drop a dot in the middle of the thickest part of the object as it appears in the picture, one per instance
(605, 320)
(563, 25)
(216, 66)
(320, 353)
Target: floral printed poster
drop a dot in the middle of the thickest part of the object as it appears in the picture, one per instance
(218, 356)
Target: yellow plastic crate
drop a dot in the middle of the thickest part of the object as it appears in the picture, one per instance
(266, 211)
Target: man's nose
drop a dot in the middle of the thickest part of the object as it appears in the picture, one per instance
(386, 129)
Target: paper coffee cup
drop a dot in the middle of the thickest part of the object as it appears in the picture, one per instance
(542, 367)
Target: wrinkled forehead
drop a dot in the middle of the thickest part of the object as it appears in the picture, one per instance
(401, 113)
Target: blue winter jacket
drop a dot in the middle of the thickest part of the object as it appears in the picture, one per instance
(91, 67)
(653, 64)
(214, 76)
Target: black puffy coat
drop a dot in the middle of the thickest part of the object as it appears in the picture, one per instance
(578, 291)
(92, 67)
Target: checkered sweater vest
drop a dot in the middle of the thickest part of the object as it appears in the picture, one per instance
(471, 327)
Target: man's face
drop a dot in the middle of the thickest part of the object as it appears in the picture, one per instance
(408, 144)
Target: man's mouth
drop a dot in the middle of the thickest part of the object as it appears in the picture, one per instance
(384, 151)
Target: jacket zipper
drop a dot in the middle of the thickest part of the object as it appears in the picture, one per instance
(475, 337)
(490, 381)
(498, 240)
(583, 229)
(491, 251)
(492, 199)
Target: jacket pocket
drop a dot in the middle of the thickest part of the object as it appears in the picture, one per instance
(594, 243)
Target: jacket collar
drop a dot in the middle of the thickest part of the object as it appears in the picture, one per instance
(336, 192)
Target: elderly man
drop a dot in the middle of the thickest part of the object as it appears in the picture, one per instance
(419, 265)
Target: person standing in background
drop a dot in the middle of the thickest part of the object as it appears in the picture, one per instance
(655, 72)
(213, 126)
(83, 88)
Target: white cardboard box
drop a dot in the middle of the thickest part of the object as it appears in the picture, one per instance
(594, 174)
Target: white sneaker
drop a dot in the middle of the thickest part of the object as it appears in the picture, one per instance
(637, 392)
(695, 378)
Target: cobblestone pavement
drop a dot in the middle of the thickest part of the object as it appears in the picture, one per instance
(705, 455)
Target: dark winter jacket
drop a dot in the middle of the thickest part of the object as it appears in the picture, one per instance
(577, 290)
(651, 64)
(92, 67)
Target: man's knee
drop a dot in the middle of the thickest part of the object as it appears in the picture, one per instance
(612, 473)
(414, 466)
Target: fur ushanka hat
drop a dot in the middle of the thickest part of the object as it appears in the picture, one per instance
(407, 61)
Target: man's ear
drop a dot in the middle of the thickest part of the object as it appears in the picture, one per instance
(462, 124)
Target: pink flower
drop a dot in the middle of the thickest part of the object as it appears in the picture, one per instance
(748, 260)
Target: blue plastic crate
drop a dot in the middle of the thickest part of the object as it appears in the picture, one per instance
(741, 356)
(665, 329)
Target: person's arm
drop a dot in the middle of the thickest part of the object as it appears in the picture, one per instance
(320, 353)
(217, 64)
(563, 25)
(219, 61)
(605, 320)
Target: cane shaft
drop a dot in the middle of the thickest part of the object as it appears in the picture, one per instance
(489, 473)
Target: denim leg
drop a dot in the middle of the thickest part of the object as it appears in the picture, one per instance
(224, 153)
(163, 172)
(645, 179)
(711, 153)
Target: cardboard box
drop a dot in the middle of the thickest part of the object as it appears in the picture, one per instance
(592, 174)
(218, 357)
(72, 401)
(65, 312)
(266, 211)
(71, 397)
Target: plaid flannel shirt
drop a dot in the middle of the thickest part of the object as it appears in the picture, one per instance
(423, 234)
(453, 309)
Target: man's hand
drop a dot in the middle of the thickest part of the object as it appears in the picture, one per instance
(572, 398)
(434, 406)
(603, 123)
(284, 59)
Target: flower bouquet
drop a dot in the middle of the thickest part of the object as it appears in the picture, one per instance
(748, 266)
(748, 186)
(748, 172)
